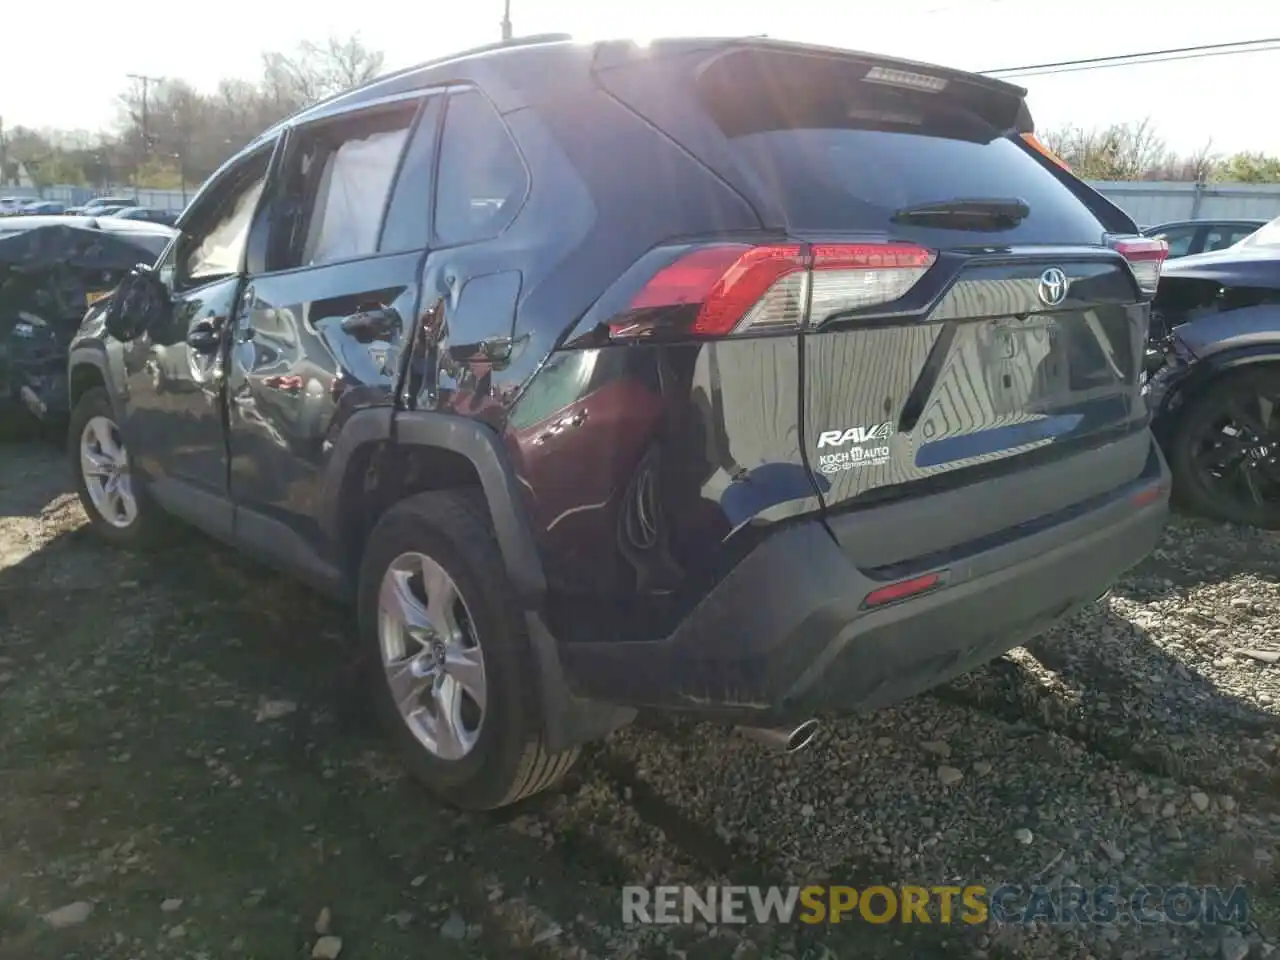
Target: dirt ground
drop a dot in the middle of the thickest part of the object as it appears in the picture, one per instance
(187, 769)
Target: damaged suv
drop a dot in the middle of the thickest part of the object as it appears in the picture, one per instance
(1214, 392)
(53, 269)
(746, 380)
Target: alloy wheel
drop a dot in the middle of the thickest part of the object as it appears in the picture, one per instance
(1236, 453)
(431, 656)
(104, 466)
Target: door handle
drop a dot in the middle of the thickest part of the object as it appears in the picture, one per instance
(204, 337)
(376, 323)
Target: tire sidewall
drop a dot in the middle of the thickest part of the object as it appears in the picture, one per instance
(480, 779)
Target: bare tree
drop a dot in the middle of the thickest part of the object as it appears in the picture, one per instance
(1202, 164)
(1133, 149)
(191, 133)
(318, 70)
(1126, 151)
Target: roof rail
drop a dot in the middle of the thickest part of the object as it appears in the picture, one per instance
(529, 40)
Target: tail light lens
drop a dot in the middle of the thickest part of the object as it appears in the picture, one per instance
(1146, 256)
(733, 289)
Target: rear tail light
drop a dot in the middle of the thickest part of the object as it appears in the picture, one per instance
(732, 289)
(853, 276)
(1146, 256)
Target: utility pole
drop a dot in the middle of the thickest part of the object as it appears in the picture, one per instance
(146, 128)
(506, 20)
(4, 156)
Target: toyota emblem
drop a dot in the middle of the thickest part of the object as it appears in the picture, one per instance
(1053, 286)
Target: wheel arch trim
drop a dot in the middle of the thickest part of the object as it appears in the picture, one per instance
(1205, 371)
(95, 357)
(474, 441)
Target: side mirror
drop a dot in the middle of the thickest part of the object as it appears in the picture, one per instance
(136, 305)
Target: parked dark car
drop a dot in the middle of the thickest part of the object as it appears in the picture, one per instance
(1189, 237)
(52, 269)
(43, 208)
(741, 379)
(97, 206)
(1214, 390)
(149, 214)
(11, 206)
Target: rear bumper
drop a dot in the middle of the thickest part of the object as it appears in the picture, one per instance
(787, 634)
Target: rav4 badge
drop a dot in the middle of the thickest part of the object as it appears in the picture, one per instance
(864, 434)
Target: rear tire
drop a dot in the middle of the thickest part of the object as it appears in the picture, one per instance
(117, 504)
(490, 752)
(1225, 491)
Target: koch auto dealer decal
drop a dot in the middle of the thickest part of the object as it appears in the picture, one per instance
(864, 446)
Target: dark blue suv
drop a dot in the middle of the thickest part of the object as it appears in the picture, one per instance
(740, 379)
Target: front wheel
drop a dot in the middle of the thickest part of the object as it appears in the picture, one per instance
(116, 503)
(1225, 454)
(453, 677)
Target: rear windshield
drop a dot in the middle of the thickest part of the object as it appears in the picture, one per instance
(1267, 235)
(840, 153)
(153, 243)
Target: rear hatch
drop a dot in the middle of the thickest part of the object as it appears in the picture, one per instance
(969, 313)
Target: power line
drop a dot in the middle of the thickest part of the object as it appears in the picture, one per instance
(1143, 63)
(1137, 59)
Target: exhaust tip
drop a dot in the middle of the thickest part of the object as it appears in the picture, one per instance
(786, 740)
(802, 736)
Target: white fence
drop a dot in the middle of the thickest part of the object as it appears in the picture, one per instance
(1155, 202)
(74, 196)
(1148, 202)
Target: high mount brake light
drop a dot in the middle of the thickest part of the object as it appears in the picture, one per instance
(730, 289)
(1146, 256)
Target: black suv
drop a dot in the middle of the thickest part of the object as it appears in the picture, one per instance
(741, 379)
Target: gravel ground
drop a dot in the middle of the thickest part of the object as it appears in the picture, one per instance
(188, 771)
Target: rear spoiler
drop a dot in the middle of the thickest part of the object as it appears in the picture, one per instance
(998, 102)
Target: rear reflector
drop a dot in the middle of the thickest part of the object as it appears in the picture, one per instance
(1146, 255)
(1144, 498)
(902, 589)
(732, 289)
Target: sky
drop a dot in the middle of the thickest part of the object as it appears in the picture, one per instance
(1189, 102)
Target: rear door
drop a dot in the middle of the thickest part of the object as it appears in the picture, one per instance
(939, 348)
(325, 318)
